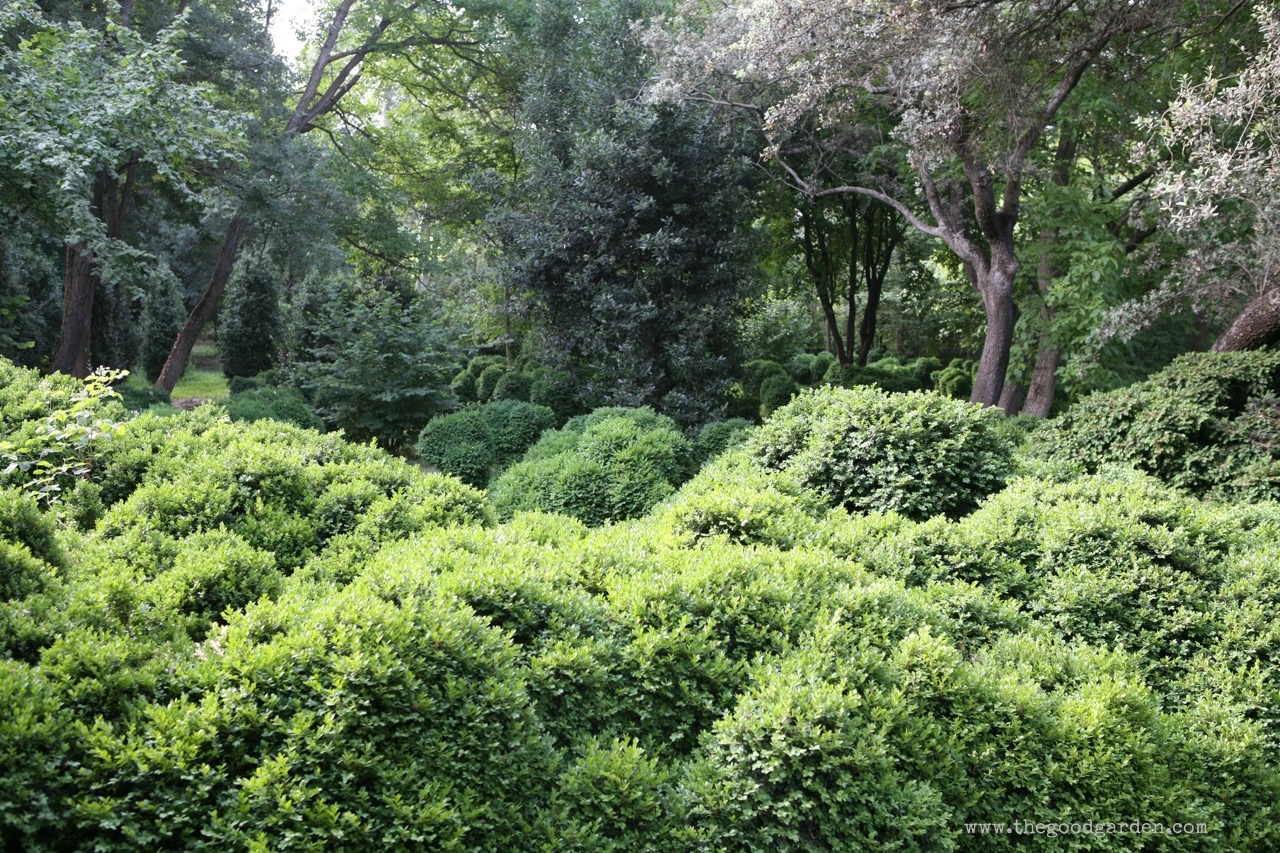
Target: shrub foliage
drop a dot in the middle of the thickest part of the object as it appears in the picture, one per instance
(253, 636)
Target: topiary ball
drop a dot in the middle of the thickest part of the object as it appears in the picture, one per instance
(919, 454)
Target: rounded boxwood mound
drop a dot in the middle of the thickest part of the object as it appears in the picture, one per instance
(919, 454)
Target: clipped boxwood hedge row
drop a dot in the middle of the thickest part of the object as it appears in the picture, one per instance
(323, 647)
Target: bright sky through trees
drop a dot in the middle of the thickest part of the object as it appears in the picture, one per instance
(287, 16)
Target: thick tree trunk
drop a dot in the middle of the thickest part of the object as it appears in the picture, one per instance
(988, 385)
(176, 363)
(995, 284)
(1044, 380)
(1257, 326)
(72, 354)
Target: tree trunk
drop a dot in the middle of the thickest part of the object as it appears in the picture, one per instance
(1257, 326)
(176, 363)
(72, 354)
(1011, 398)
(1044, 380)
(868, 336)
(996, 286)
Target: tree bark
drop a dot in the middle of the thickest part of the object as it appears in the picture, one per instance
(176, 363)
(110, 203)
(995, 284)
(72, 355)
(1044, 376)
(1011, 398)
(1255, 327)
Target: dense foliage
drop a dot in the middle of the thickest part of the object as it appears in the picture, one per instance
(1209, 424)
(476, 442)
(919, 454)
(610, 465)
(462, 556)
(255, 635)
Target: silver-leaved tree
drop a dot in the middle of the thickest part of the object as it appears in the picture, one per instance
(971, 90)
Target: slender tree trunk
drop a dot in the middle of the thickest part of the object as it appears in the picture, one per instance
(867, 337)
(1257, 326)
(1044, 376)
(817, 257)
(882, 233)
(72, 354)
(1011, 398)
(176, 363)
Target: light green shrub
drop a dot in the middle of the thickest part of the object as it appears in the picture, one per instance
(1200, 424)
(598, 469)
(918, 454)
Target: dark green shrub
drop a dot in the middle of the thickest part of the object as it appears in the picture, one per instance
(512, 386)
(800, 367)
(379, 367)
(480, 363)
(458, 444)
(488, 380)
(1194, 425)
(463, 387)
(514, 426)
(558, 391)
(956, 379)
(918, 454)
(273, 403)
(163, 314)
(716, 437)
(755, 372)
(475, 443)
(775, 391)
(249, 321)
(821, 364)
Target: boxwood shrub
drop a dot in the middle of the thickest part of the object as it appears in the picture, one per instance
(1206, 424)
(919, 454)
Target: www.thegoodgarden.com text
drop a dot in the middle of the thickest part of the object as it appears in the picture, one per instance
(1088, 827)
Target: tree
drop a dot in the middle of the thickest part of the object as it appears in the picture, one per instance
(632, 229)
(1221, 196)
(357, 35)
(974, 86)
(87, 116)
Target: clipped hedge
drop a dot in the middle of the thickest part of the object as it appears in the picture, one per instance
(1206, 424)
(610, 465)
(919, 454)
(475, 443)
(275, 640)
